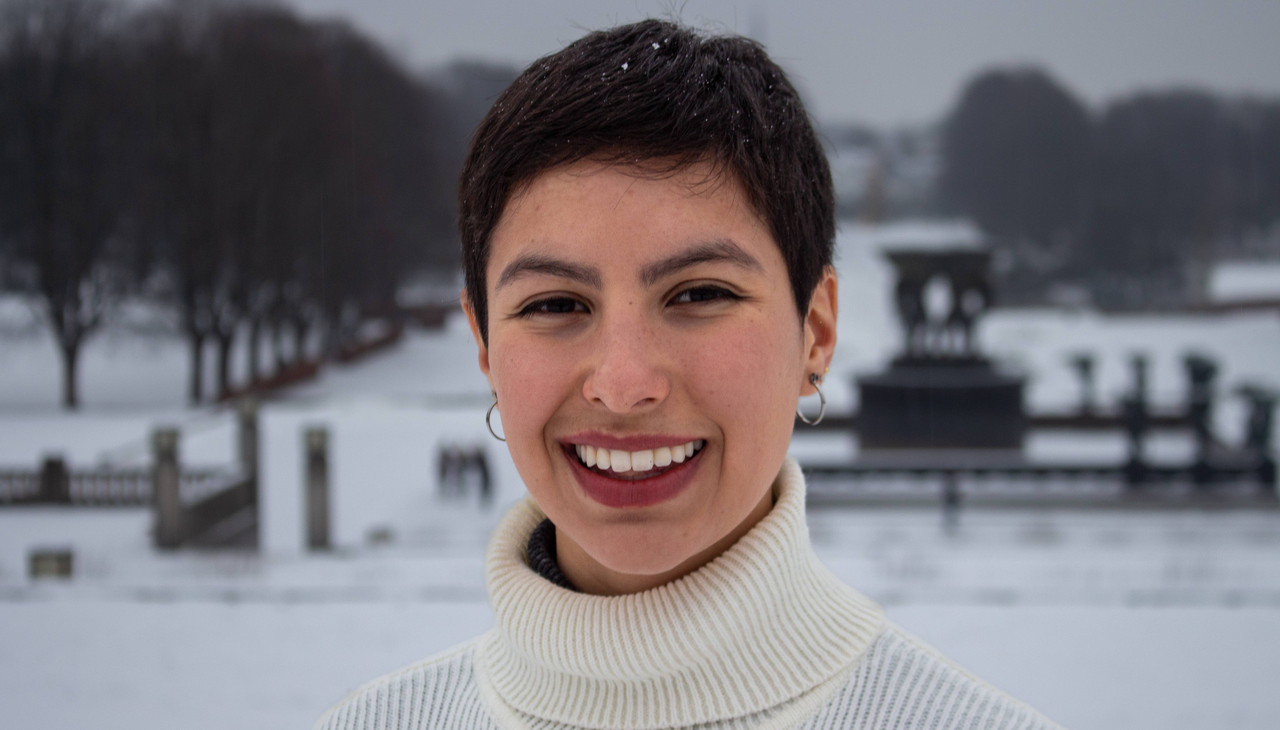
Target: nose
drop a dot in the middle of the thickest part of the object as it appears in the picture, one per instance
(628, 375)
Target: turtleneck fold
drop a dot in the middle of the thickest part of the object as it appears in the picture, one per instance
(758, 627)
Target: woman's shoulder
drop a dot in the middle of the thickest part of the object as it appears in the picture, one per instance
(437, 692)
(904, 682)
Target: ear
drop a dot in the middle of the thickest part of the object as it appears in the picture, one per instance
(475, 332)
(820, 328)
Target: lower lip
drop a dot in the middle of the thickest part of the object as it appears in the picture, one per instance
(638, 492)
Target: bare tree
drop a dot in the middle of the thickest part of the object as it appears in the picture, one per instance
(66, 175)
(388, 200)
(183, 196)
(293, 178)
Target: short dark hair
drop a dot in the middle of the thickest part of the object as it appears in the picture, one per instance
(652, 91)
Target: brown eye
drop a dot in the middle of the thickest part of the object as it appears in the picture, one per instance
(554, 305)
(701, 294)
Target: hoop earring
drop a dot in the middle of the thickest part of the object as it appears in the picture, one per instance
(488, 415)
(815, 380)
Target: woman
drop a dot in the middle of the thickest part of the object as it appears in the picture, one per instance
(647, 223)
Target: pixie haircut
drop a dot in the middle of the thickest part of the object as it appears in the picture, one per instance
(658, 93)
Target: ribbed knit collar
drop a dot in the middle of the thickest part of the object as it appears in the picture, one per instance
(759, 626)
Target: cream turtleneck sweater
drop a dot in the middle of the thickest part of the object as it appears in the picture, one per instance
(761, 637)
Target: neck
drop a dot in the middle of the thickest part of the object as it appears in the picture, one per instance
(590, 576)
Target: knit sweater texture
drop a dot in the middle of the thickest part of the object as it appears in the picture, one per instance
(762, 637)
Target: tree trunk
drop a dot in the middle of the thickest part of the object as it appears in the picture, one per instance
(70, 358)
(277, 343)
(224, 364)
(196, 383)
(300, 331)
(255, 334)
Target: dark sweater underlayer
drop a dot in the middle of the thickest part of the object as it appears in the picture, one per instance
(542, 555)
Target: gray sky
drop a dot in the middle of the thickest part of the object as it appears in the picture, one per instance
(883, 61)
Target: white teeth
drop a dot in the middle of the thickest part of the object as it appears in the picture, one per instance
(642, 460)
(662, 456)
(620, 460)
(639, 461)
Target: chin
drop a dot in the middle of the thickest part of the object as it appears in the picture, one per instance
(648, 548)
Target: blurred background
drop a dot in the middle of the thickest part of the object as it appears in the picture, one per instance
(243, 460)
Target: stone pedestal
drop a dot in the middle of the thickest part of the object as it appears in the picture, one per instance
(938, 403)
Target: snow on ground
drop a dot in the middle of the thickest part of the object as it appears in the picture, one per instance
(251, 666)
(1101, 619)
(132, 363)
(208, 665)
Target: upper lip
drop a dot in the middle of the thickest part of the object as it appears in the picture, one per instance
(635, 442)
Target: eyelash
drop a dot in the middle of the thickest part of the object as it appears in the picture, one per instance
(540, 306)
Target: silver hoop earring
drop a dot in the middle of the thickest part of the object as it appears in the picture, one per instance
(815, 380)
(488, 415)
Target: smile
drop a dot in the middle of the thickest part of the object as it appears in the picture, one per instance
(640, 478)
(636, 462)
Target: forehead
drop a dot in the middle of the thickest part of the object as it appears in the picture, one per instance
(616, 215)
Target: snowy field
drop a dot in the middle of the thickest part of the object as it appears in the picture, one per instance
(1101, 619)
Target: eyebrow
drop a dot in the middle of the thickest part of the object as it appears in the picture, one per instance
(533, 263)
(719, 250)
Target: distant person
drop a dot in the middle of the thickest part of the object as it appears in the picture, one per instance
(647, 223)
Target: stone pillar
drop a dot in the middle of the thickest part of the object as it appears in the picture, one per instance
(1258, 429)
(950, 500)
(1136, 424)
(247, 411)
(316, 444)
(165, 477)
(1201, 372)
(55, 481)
(50, 563)
(1083, 365)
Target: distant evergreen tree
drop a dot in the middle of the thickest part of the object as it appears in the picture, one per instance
(1015, 156)
(1134, 208)
(1161, 194)
(1178, 179)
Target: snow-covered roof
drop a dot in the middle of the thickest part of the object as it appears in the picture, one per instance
(1244, 281)
(928, 236)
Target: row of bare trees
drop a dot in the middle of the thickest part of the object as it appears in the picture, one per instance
(272, 178)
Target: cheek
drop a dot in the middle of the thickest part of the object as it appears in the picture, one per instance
(532, 383)
(746, 378)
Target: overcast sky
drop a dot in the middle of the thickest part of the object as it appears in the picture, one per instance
(885, 62)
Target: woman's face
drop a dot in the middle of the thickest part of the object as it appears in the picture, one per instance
(633, 318)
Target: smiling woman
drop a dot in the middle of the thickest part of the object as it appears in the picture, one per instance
(647, 224)
(632, 314)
